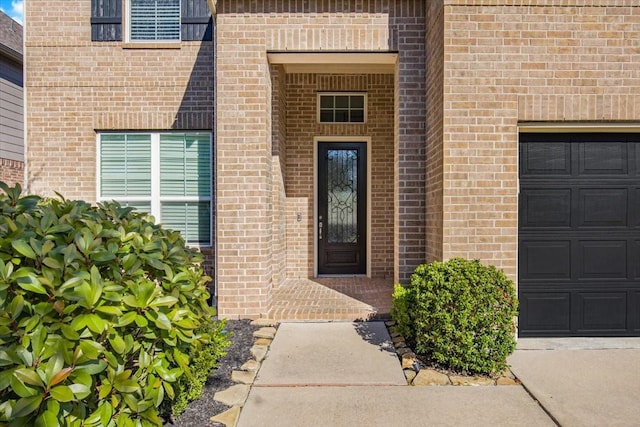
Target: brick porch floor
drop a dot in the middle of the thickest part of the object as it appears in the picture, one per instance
(335, 298)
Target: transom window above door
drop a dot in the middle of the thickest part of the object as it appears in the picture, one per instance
(154, 20)
(342, 107)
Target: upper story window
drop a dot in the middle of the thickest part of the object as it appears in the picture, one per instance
(342, 107)
(154, 20)
(151, 22)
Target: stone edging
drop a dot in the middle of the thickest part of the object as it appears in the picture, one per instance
(426, 377)
(236, 395)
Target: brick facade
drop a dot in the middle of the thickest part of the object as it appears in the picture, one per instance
(434, 154)
(76, 87)
(443, 124)
(256, 155)
(302, 90)
(509, 63)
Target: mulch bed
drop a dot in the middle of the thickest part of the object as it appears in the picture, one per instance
(199, 412)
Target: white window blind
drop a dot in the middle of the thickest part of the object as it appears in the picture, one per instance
(168, 175)
(193, 219)
(125, 165)
(185, 167)
(154, 20)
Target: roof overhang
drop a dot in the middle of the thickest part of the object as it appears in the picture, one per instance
(10, 53)
(335, 62)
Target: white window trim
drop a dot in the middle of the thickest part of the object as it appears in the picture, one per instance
(155, 199)
(318, 109)
(126, 21)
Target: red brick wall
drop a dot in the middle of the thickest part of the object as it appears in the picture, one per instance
(11, 172)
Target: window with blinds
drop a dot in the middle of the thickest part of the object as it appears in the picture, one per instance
(154, 20)
(168, 175)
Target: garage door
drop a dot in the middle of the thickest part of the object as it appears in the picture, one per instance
(579, 235)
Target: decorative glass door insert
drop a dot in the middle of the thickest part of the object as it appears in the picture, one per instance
(341, 208)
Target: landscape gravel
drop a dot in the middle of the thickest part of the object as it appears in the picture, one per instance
(199, 412)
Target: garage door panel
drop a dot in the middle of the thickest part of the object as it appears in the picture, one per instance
(635, 261)
(635, 217)
(602, 207)
(545, 312)
(579, 235)
(602, 311)
(545, 259)
(603, 158)
(602, 259)
(634, 311)
(546, 158)
(545, 207)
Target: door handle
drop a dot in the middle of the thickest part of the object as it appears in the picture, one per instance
(320, 228)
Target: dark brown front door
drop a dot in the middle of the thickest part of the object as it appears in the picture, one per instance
(342, 204)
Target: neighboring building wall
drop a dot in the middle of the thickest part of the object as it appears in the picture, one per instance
(246, 31)
(11, 102)
(505, 63)
(435, 118)
(11, 171)
(303, 126)
(76, 87)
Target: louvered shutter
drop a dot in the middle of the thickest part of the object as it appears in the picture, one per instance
(106, 20)
(197, 22)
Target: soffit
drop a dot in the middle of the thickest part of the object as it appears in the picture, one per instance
(335, 62)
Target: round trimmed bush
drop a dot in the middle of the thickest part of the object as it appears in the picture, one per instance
(460, 314)
(103, 315)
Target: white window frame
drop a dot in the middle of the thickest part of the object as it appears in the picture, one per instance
(319, 109)
(156, 199)
(127, 27)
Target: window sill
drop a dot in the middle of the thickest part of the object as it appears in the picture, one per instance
(151, 45)
(342, 123)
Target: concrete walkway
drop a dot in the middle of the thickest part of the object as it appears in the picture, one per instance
(346, 374)
(582, 381)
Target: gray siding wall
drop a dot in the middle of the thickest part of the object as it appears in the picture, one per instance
(11, 111)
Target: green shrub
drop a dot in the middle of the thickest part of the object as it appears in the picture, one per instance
(101, 313)
(202, 362)
(401, 311)
(460, 314)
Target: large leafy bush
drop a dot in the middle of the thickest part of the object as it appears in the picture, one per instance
(101, 314)
(460, 314)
